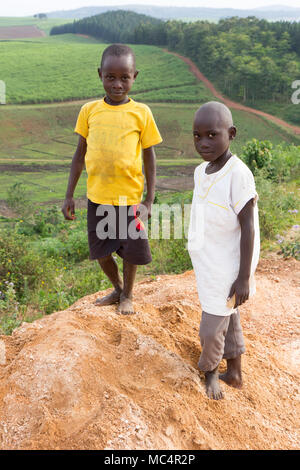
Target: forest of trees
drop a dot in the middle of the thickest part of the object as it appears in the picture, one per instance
(112, 26)
(246, 58)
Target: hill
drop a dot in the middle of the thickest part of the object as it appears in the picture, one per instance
(247, 59)
(272, 13)
(66, 80)
(112, 26)
(87, 378)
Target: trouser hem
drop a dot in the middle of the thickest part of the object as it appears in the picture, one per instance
(207, 368)
(234, 354)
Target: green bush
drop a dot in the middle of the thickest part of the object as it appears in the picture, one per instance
(257, 155)
(43, 222)
(291, 248)
(280, 163)
(8, 322)
(75, 245)
(21, 265)
(11, 312)
(285, 162)
(275, 206)
(18, 199)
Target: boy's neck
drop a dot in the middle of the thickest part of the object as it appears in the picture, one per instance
(115, 103)
(213, 167)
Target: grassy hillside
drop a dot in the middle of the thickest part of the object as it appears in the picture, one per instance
(48, 76)
(37, 144)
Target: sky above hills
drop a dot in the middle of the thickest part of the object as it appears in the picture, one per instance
(30, 7)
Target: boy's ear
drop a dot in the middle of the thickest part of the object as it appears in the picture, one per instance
(232, 132)
(136, 74)
(100, 73)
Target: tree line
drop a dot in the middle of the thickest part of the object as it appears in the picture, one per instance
(112, 26)
(246, 58)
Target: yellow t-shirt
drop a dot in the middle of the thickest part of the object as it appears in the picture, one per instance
(115, 138)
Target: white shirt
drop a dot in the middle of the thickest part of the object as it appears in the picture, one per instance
(215, 232)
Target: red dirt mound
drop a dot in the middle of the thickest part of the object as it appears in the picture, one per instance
(87, 378)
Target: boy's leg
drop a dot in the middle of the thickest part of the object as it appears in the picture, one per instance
(234, 348)
(129, 272)
(212, 334)
(233, 375)
(110, 268)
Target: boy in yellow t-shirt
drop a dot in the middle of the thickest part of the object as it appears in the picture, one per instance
(113, 134)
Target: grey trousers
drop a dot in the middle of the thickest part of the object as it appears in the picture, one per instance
(220, 337)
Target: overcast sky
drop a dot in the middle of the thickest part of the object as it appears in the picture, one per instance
(30, 7)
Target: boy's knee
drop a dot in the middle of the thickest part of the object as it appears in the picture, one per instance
(207, 336)
(104, 259)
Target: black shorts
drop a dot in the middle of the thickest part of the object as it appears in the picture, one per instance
(117, 229)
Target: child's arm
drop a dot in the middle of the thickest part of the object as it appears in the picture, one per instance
(241, 285)
(75, 172)
(150, 174)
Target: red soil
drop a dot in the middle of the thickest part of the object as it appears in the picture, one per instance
(88, 378)
(18, 32)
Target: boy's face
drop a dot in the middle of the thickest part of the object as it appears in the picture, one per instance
(118, 75)
(212, 135)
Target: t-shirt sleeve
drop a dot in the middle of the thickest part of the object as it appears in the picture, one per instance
(242, 189)
(150, 134)
(82, 123)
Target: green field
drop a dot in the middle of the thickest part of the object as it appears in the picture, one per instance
(34, 72)
(72, 74)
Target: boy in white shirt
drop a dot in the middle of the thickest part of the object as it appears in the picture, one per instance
(223, 244)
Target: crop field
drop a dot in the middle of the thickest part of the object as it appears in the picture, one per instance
(43, 24)
(13, 32)
(49, 76)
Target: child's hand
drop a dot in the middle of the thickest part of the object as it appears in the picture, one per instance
(69, 207)
(144, 213)
(241, 289)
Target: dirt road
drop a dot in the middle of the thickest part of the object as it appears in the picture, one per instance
(232, 104)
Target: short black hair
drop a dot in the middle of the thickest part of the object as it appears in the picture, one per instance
(117, 50)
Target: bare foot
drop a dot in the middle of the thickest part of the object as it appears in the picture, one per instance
(233, 375)
(232, 379)
(110, 299)
(213, 389)
(125, 307)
